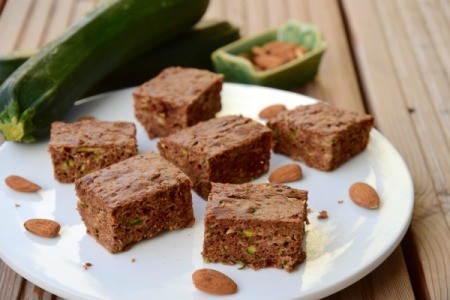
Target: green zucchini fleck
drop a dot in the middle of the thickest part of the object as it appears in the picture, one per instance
(134, 222)
(251, 250)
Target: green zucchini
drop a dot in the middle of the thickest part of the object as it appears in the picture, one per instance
(190, 49)
(45, 87)
(12, 61)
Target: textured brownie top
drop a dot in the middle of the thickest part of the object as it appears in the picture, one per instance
(215, 135)
(132, 179)
(179, 86)
(320, 117)
(92, 133)
(257, 201)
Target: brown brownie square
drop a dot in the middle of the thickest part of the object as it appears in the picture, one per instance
(258, 225)
(177, 98)
(134, 200)
(322, 136)
(231, 149)
(82, 147)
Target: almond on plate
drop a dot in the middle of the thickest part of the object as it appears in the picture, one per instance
(271, 111)
(213, 282)
(43, 227)
(286, 173)
(21, 184)
(364, 195)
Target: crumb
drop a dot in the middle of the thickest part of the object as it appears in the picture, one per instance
(17, 205)
(133, 260)
(86, 118)
(87, 265)
(323, 214)
(340, 201)
(309, 210)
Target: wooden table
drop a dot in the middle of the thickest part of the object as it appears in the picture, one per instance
(388, 57)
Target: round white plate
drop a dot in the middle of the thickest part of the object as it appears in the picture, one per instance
(341, 249)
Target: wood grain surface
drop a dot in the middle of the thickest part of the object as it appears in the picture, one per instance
(390, 58)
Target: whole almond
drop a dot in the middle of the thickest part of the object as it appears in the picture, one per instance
(364, 195)
(287, 173)
(20, 184)
(43, 227)
(268, 61)
(271, 111)
(213, 282)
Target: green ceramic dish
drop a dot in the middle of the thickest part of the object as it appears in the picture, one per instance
(288, 75)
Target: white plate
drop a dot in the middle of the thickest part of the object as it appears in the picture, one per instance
(341, 249)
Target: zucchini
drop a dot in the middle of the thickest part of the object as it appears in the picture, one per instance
(190, 49)
(12, 61)
(45, 87)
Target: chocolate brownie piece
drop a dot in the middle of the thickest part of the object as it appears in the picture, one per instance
(259, 225)
(177, 98)
(322, 136)
(231, 149)
(82, 147)
(134, 200)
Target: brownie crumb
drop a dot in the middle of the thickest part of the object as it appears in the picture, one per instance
(323, 214)
(340, 201)
(87, 265)
(308, 210)
(133, 260)
(86, 118)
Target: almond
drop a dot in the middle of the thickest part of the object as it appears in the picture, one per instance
(20, 184)
(287, 173)
(268, 61)
(364, 195)
(271, 111)
(43, 227)
(213, 282)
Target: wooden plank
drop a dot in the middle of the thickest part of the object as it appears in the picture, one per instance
(34, 30)
(235, 13)
(33, 292)
(434, 67)
(59, 19)
(336, 82)
(10, 282)
(438, 28)
(279, 13)
(12, 21)
(380, 285)
(2, 5)
(80, 8)
(428, 242)
(257, 16)
(434, 138)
